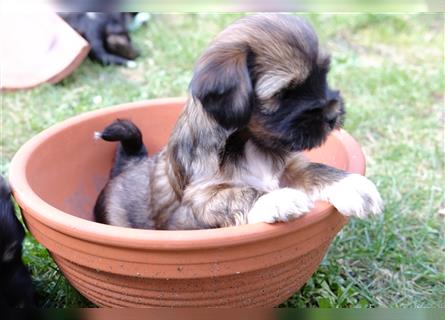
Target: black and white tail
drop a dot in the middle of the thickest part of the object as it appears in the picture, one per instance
(131, 148)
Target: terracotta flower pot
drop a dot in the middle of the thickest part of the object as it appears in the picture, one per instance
(37, 48)
(57, 175)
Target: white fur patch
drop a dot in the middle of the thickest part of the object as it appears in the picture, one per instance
(280, 205)
(354, 195)
(92, 15)
(142, 17)
(257, 170)
(97, 135)
(131, 64)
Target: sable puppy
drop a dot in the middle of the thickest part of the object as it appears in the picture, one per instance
(15, 283)
(258, 98)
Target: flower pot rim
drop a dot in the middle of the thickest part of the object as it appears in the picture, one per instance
(95, 232)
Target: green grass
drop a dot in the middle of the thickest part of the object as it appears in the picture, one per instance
(390, 69)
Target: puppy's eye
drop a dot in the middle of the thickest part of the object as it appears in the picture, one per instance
(293, 84)
(279, 95)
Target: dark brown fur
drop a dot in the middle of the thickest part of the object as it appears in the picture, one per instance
(309, 176)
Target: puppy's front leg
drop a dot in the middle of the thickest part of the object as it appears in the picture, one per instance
(280, 205)
(217, 205)
(352, 194)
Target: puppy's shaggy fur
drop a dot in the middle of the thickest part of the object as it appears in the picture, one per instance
(258, 97)
(107, 34)
(15, 282)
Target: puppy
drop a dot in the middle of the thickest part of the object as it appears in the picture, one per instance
(258, 98)
(107, 34)
(15, 282)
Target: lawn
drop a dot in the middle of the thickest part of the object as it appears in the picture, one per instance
(390, 69)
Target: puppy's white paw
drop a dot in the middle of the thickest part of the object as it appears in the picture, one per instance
(354, 195)
(280, 205)
(131, 64)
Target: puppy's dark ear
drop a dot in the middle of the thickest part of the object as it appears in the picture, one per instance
(222, 84)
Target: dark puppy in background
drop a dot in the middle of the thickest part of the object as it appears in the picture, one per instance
(107, 34)
(258, 97)
(15, 282)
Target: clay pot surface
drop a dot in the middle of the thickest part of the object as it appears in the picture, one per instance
(57, 175)
(37, 48)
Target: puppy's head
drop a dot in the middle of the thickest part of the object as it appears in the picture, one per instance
(267, 74)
